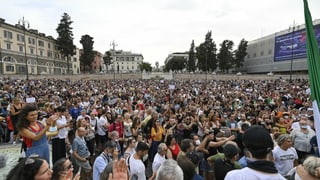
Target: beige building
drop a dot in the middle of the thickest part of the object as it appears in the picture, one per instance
(124, 62)
(27, 49)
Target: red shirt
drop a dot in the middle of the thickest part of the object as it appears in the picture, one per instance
(175, 151)
(117, 126)
(29, 141)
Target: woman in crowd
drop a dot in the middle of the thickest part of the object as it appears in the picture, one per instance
(131, 145)
(136, 126)
(32, 167)
(34, 132)
(63, 170)
(173, 146)
(59, 141)
(308, 170)
(156, 135)
(127, 123)
(15, 109)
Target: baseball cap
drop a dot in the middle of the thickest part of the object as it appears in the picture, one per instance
(258, 141)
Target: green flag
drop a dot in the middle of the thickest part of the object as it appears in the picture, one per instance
(313, 67)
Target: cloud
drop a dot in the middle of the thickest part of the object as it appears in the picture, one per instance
(156, 28)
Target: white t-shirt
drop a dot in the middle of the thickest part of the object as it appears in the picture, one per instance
(248, 173)
(137, 167)
(62, 133)
(284, 159)
(100, 126)
(157, 162)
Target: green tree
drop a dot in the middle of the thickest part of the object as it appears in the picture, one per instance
(225, 56)
(191, 64)
(145, 66)
(206, 54)
(65, 38)
(87, 55)
(240, 53)
(175, 64)
(107, 58)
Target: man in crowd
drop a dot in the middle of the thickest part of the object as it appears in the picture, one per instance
(258, 141)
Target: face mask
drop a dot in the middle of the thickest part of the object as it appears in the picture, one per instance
(145, 157)
(286, 117)
(116, 140)
(304, 127)
(110, 154)
(198, 142)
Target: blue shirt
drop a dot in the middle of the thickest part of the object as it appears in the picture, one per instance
(79, 145)
(99, 165)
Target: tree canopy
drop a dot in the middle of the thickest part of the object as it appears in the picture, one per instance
(145, 66)
(225, 56)
(240, 53)
(65, 38)
(206, 54)
(87, 55)
(191, 64)
(176, 63)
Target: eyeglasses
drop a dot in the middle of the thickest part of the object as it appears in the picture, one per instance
(70, 166)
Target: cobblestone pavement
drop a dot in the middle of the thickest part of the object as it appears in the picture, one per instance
(12, 152)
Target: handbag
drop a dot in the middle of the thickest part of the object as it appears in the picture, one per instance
(90, 135)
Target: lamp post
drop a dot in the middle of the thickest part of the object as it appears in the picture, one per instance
(22, 22)
(292, 40)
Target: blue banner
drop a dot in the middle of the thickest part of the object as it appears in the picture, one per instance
(293, 45)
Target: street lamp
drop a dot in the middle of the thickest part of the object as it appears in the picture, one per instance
(292, 40)
(22, 22)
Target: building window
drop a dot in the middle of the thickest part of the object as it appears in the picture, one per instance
(261, 53)
(75, 59)
(20, 37)
(49, 54)
(132, 67)
(254, 55)
(31, 51)
(49, 46)
(22, 69)
(7, 34)
(41, 43)
(8, 46)
(21, 48)
(41, 53)
(31, 41)
(270, 51)
(9, 68)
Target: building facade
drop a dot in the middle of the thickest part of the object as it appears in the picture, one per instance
(124, 62)
(27, 51)
(281, 52)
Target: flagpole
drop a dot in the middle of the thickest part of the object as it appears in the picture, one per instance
(313, 58)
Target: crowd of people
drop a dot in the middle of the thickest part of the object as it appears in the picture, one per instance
(160, 129)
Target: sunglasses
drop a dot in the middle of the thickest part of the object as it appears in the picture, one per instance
(31, 159)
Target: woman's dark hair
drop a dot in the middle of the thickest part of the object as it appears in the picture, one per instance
(25, 170)
(58, 168)
(136, 121)
(169, 139)
(129, 141)
(22, 121)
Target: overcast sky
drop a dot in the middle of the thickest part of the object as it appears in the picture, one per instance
(156, 28)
